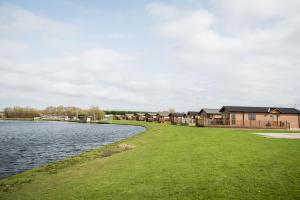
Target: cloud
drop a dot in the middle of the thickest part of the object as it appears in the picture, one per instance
(17, 21)
(257, 66)
(256, 8)
(162, 11)
(95, 73)
(80, 74)
(222, 54)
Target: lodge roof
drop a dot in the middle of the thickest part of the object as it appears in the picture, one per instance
(140, 114)
(192, 113)
(163, 114)
(210, 111)
(259, 109)
(177, 114)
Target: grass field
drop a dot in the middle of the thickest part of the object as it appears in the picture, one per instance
(171, 162)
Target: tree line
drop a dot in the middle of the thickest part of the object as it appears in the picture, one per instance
(21, 112)
(25, 112)
(94, 111)
(122, 112)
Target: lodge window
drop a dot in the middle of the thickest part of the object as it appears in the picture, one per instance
(233, 118)
(274, 117)
(252, 116)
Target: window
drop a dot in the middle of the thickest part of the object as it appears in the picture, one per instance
(252, 116)
(233, 118)
(274, 117)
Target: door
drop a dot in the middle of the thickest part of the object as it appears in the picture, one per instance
(274, 120)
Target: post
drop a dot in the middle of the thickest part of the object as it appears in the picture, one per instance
(243, 119)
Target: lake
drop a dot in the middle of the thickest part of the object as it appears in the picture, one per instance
(28, 144)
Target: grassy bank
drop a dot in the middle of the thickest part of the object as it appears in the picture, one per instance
(170, 162)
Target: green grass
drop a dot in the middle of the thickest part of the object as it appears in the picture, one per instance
(171, 162)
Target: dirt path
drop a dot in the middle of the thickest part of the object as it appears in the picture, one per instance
(281, 135)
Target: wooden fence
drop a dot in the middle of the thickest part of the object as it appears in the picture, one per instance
(243, 124)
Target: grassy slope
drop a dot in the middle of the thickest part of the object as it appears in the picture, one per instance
(172, 162)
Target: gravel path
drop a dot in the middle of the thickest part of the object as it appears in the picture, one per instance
(281, 135)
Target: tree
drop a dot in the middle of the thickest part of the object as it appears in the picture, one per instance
(172, 110)
(21, 112)
(96, 113)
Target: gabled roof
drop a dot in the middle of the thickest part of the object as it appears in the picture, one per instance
(129, 115)
(140, 114)
(210, 111)
(287, 110)
(259, 109)
(244, 109)
(163, 114)
(177, 114)
(192, 113)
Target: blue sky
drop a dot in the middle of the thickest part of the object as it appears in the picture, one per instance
(150, 55)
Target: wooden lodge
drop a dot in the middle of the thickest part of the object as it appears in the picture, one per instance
(192, 116)
(129, 116)
(151, 117)
(250, 117)
(140, 117)
(208, 115)
(119, 117)
(177, 118)
(163, 117)
(260, 117)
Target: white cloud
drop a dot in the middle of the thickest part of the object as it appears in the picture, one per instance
(16, 21)
(162, 11)
(257, 8)
(226, 54)
(256, 66)
(96, 75)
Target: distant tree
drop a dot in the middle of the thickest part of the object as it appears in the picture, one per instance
(172, 110)
(96, 113)
(7, 112)
(122, 112)
(21, 112)
(24, 112)
(164, 112)
(61, 110)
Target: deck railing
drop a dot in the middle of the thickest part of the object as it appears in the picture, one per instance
(243, 123)
(183, 121)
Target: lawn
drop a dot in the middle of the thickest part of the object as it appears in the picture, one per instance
(171, 162)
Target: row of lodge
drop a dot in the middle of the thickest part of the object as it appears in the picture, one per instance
(227, 116)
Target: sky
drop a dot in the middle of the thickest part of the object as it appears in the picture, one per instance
(150, 55)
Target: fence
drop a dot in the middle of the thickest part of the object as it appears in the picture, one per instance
(183, 121)
(243, 123)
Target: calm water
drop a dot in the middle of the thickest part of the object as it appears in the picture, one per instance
(25, 145)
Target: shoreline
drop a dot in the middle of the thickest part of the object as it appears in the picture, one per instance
(17, 119)
(72, 160)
